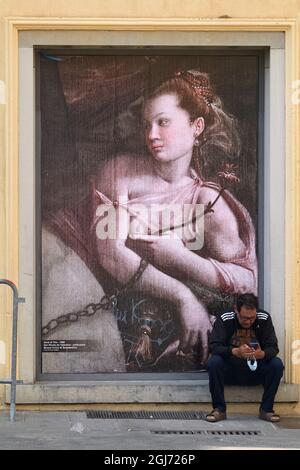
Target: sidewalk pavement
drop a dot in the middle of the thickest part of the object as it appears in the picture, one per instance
(72, 430)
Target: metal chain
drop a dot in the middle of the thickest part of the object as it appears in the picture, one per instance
(90, 309)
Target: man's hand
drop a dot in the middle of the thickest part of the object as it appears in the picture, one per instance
(246, 352)
(243, 352)
(259, 353)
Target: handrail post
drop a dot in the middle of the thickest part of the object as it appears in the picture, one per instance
(13, 380)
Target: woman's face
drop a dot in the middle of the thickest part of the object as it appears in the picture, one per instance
(169, 132)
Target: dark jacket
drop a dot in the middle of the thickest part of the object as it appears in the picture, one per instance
(226, 325)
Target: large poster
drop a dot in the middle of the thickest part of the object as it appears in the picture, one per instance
(148, 206)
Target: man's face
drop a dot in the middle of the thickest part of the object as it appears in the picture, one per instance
(246, 316)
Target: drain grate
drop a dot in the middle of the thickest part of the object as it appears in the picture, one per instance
(211, 432)
(183, 415)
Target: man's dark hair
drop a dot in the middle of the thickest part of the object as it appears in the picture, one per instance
(246, 300)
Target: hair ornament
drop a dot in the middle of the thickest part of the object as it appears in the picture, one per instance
(199, 83)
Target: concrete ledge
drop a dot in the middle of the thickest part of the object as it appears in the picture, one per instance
(183, 391)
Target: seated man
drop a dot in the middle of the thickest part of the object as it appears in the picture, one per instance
(244, 348)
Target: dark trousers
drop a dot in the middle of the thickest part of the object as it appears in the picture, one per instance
(221, 371)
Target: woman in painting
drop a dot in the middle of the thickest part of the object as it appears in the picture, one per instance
(180, 117)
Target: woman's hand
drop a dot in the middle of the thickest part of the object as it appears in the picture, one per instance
(195, 326)
(161, 251)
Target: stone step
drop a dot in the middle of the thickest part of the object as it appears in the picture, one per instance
(141, 391)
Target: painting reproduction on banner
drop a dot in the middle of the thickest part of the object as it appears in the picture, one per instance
(149, 214)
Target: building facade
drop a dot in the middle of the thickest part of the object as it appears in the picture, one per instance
(70, 91)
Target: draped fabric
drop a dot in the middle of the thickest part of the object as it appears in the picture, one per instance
(77, 229)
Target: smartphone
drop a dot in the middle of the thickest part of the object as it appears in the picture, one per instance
(254, 344)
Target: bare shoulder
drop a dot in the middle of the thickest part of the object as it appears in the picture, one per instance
(221, 227)
(114, 175)
(207, 194)
(221, 210)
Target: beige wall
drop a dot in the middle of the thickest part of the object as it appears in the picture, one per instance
(213, 9)
(152, 8)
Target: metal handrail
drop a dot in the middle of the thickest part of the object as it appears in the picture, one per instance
(13, 380)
